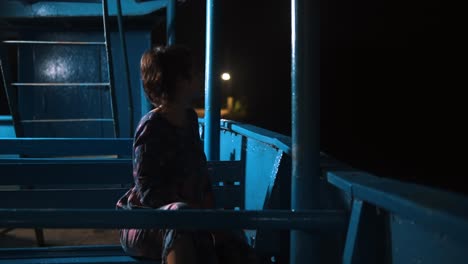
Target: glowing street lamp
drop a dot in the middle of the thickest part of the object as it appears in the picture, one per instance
(227, 86)
(226, 76)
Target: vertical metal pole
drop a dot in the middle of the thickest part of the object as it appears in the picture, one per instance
(11, 101)
(110, 65)
(171, 22)
(212, 93)
(123, 45)
(305, 77)
(145, 104)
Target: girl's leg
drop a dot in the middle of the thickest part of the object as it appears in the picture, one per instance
(142, 243)
(170, 245)
(187, 246)
(182, 252)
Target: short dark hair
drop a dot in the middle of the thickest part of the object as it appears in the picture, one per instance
(160, 68)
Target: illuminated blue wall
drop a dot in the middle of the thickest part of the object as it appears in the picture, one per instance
(75, 64)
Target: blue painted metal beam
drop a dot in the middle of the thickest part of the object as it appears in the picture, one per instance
(7, 93)
(10, 96)
(349, 255)
(366, 237)
(62, 251)
(305, 77)
(103, 197)
(19, 9)
(212, 93)
(65, 172)
(123, 46)
(171, 40)
(7, 126)
(66, 146)
(93, 170)
(90, 254)
(80, 259)
(110, 68)
(171, 22)
(196, 219)
(145, 103)
(94, 195)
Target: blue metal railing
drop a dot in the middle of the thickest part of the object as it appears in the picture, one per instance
(401, 222)
(196, 219)
(171, 22)
(123, 46)
(110, 70)
(434, 217)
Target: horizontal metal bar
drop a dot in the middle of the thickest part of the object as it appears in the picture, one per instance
(66, 171)
(92, 196)
(6, 118)
(61, 252)
(68, 120)
(94, 170)
(66, 146)
(77, 259)
(192, 219)
(60, 84)
(41, 42)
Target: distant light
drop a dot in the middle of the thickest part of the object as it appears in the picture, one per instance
(226, 76)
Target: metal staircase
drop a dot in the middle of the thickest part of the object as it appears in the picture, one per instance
(12, 89)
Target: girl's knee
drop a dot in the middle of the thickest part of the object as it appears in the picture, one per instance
(176, 206)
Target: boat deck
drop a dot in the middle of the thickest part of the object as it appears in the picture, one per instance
(59, 237)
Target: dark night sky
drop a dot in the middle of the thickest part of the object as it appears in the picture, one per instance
(383, 69)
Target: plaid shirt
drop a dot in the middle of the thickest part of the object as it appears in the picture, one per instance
(169, 165)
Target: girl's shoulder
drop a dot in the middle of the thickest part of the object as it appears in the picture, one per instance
(155, 122)
(152, 122)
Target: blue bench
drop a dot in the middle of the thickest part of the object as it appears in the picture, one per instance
(56, 169)
(49, 174)
(94, 178)
(94, 183)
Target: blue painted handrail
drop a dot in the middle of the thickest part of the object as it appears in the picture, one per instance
(66, 146)
(266, 136)
(110, 68)
(61, 251)
(439, 210)
(90, 170)
(6, 118)
(123, 47)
